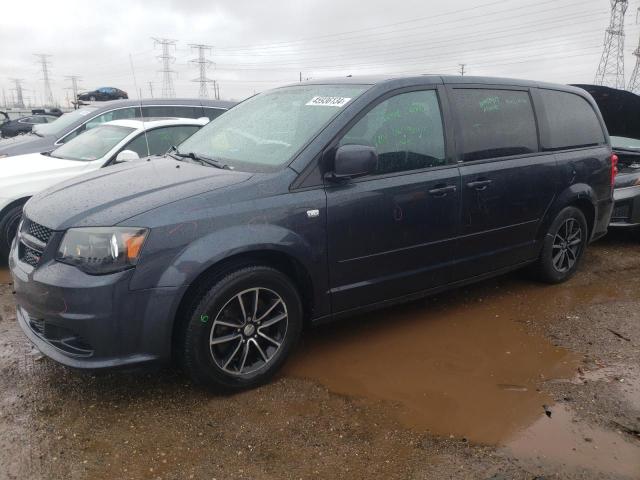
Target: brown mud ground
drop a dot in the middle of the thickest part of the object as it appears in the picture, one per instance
(506, 379)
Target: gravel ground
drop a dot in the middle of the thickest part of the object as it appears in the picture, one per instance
(56, 423)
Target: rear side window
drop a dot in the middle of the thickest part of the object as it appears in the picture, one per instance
(172, 111)
(495, 123)
(572, 122)
(161, 139)
(212, 113)
(406, 131)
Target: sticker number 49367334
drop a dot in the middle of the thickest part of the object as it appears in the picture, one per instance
(328, 101)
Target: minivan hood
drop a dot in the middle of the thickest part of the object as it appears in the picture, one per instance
(111, 195)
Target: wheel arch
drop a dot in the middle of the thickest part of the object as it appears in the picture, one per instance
(284, 262)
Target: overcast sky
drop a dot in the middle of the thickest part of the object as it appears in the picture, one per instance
(263, 44)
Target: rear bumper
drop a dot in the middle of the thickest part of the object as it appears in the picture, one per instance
(626, 212)
(92, 322)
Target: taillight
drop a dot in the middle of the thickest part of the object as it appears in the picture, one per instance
(614, 168)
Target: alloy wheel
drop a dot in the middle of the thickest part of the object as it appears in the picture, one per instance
(248, 331)
(566, 245)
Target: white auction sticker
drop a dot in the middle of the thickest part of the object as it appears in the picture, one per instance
(328, 101)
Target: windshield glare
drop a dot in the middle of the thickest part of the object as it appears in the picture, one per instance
(625, 143)
(58, 126)
(92, 144)
(264, 132)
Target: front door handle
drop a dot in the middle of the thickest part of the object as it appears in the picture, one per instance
(480, 184)
(442, 190)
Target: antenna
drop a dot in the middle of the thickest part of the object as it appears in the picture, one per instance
(135, 83)
(611, 69)
(167, 59)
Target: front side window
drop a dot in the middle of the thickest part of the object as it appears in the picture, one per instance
(161, 139)
(572, 121)
(406, 131)
(495, 123)
(93, 144)
(119, 114)
(266, 131)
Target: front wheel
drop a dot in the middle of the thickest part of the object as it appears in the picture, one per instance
(241, 330)
(563, 247)
(8, 229)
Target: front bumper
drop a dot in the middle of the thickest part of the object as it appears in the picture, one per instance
(626, 211)
(92, 322)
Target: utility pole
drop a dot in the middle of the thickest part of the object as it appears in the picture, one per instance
(462, 65)
(203, 63)
(47, 98)
(611, 68)
(634, 81)
(167, 59)
(18, 89)
(151, 88)
(74, 88)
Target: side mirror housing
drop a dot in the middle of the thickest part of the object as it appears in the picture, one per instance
(127, 156)
(352, 161)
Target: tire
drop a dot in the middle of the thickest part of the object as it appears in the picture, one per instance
(8, 228)
(227, 351)
(563, 247)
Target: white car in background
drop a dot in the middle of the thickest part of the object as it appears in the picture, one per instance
(22, 176)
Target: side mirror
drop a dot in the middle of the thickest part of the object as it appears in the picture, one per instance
(127, 156)
(354, 161)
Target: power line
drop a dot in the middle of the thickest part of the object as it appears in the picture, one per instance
(47, 98)
(19, 103)
(167, 59)
(611, 68)
(634, 81)
(203, 64)
(74, 87)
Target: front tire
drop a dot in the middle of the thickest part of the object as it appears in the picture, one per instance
(240, 331)
(9, 228)
(563, 246)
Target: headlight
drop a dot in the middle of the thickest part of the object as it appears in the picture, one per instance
(102, 250)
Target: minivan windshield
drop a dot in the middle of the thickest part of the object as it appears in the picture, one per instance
(92, 144)
(264, 132)
(57, 127)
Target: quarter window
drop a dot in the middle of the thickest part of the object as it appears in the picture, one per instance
(495, 123)
(572, 121)
(406, 131)
(161, 139)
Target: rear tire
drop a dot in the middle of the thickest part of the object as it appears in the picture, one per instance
(241, 329)
(8, 229)
(563, 247)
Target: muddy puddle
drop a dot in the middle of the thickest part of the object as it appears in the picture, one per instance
(463, 363)
(5, 276)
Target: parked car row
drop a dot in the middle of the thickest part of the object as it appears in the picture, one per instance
(301, 205)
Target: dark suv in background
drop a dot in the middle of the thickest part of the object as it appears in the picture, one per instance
(304, 204)
(47, 137)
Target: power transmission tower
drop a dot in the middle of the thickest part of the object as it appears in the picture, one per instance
(611, 69)
(74, 87)
(203, 63)
(19, 97)
(167, 59)
(462, 67)
(151, 88)
(634, 82)
(48, 94)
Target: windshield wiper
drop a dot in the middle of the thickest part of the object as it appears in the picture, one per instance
(201, 159)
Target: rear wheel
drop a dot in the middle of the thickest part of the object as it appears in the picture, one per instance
(240, 331)
(8, 228)
(563, 247)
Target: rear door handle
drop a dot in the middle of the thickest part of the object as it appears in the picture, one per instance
(442, 190)
(480, 184)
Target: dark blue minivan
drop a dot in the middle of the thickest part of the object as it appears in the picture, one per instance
(304, 204)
